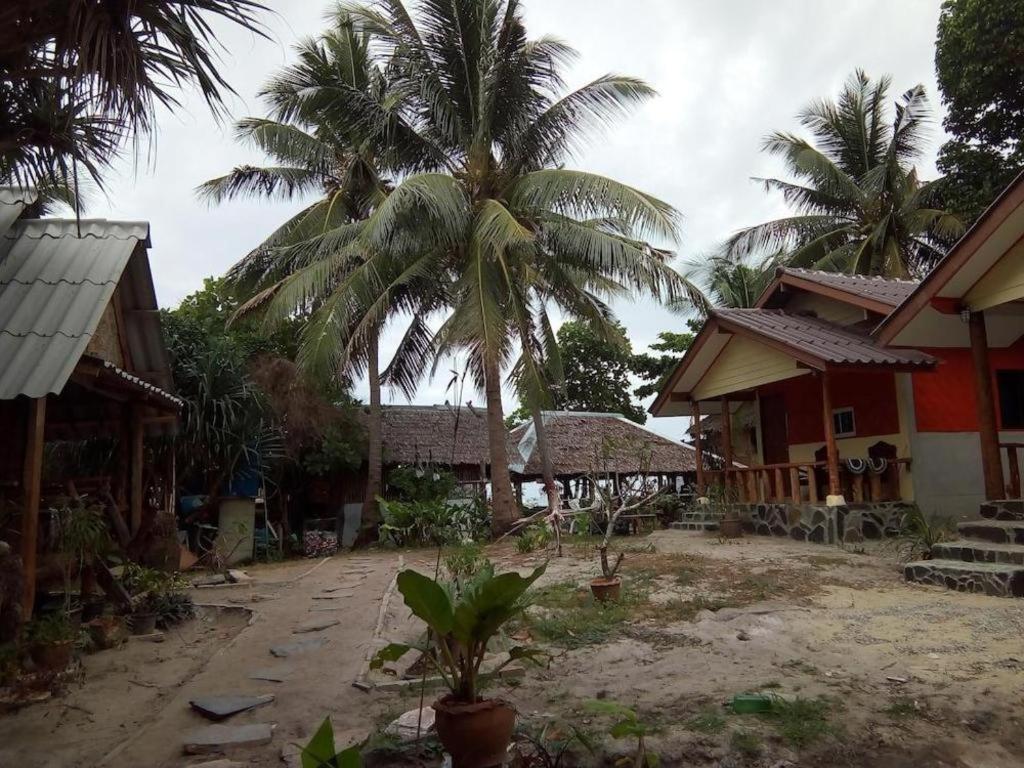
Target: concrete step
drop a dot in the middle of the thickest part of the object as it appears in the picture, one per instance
(997, 579)
(690, 517)
(996, 531)
(979, 552)
(1004, 509)
(702, 525)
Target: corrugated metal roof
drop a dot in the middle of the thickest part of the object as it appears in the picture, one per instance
(884, 290)
(13, 201)
(56, 279)
(821, 339)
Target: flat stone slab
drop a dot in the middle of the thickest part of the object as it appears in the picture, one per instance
(315, 625)
(224, 706)
(218, 764)
(348, 587)
(299, 646)
(323, 608)
(405, 727)
(275, 675)
(220, 738)
(334, 596)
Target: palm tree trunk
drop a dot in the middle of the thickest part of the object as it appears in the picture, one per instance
(546, 468)
(503, 506)
(374, 439)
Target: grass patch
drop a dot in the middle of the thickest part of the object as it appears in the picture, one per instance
(746, 743)
(826, 561)
(708, 720)
(902, 708)
(573, 618)
(801, 722)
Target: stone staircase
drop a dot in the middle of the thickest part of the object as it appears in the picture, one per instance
(700, 519)
(988, 558)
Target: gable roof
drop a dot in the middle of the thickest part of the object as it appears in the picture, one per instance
(579, 440)
(877, 294)
(57, 278)
(435, 434)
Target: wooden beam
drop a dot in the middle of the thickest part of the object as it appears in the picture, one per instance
(32, 485)
(726, 433)
(831, 449)
(698, 446)
(988, 433)
(137, 456)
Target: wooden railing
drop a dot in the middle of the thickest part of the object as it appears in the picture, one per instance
(1013, 451)
(805, 482)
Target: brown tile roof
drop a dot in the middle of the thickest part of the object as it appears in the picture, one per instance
(880, 289)
(598, 442)
(437, 434)
(819, 339)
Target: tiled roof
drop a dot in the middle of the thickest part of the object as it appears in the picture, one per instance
(56, 279)
(598, 442)
(820, 339)
(880, 289)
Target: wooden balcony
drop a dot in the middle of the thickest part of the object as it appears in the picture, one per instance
(807, 483)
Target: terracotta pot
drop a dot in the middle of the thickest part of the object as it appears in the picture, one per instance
(475, 735)
(143, 623)
(52, 657)
(730, 528)
(606, 589)
(107, 632)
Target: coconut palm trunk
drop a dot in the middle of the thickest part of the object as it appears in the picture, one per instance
(370, 520)
(503, 507)
(547, 470)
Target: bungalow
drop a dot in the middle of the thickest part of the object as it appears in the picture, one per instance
(863, 389)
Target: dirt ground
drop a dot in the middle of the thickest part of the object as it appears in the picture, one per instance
(877, 672)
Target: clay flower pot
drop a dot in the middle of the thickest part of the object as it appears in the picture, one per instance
(606, 589)
(143, 623)
(475, 735)
(107, 632)
(52, 657)
(730, 528)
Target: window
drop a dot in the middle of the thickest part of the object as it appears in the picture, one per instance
(1011, 398)
(843, 423)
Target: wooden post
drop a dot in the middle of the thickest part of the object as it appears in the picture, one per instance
(519, 492)
(1011, 457)
(991, 461)
(32, 488)
(136, 490)
(830, 438)
(698, 446)
(794, 485)
(726, 433)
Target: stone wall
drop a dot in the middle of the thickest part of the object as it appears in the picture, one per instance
(821, 524)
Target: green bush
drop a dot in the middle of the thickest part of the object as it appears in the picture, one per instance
(437, 523)
(421, 484)
(533, 538)
(50, 629)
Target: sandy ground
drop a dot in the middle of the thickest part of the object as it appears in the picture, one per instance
(814, 621)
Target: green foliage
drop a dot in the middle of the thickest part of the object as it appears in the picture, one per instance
(434, 523)
(321, 751)
(858, 203)
(413, 483)
(627, 726)
(918, 534)
(574, 619)
(979, 61)
(336, 452)
(462, 625)
(81, 535)
(746, 743)
(654, 370)
(51, 629)
(170, 607)
(464, 561)
(596, 370)
(708, 720)
(533, 538)
(800, 721)
(153, 591)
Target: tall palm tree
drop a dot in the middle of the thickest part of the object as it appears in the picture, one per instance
(731, 280)
(510, 226)
(859, 204)
(300, 266)
(79, 77)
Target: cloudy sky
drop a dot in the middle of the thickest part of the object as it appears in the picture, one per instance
(727, 72)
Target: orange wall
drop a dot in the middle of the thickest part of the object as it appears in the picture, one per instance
(944, 398)
(872, 395)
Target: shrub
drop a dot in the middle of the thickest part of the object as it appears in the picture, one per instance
(411, 523)
(50, 629)
(421, 484)
(534, 537)
(462, 562)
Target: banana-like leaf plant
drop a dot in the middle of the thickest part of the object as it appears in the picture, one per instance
(322, 753)
(462, 622)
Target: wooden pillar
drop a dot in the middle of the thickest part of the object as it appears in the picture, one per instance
(32, 488)
(988, 431)
(726, 433)
(566, 488)
(832, 451)
(698, 446)
(135, 491)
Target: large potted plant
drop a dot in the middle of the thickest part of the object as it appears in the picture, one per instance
(461, 621)
(51, 641)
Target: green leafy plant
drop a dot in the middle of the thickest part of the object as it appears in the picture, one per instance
(153, 591)
(918, 535)
(436, 523)
(421, 483)
(461, 626)
(321, 751)
(463, 561)
(533, 538)
(336, 451)
(81, 535)
(628, 725)
(51, 629)
(550, 747)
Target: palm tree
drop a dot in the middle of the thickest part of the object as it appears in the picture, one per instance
(79, 77)
(731, 280)
(859, 204)
(299, 267)
(512, 228)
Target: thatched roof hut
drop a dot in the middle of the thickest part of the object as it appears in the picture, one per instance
(445, 435)
(585, 443)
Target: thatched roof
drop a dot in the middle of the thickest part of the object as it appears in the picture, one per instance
(598, 442)
(435, 434)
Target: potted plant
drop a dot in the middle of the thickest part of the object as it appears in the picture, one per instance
(157, 597)
(51, 640)
(608, 586)
(81, 536)
(461, 623)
